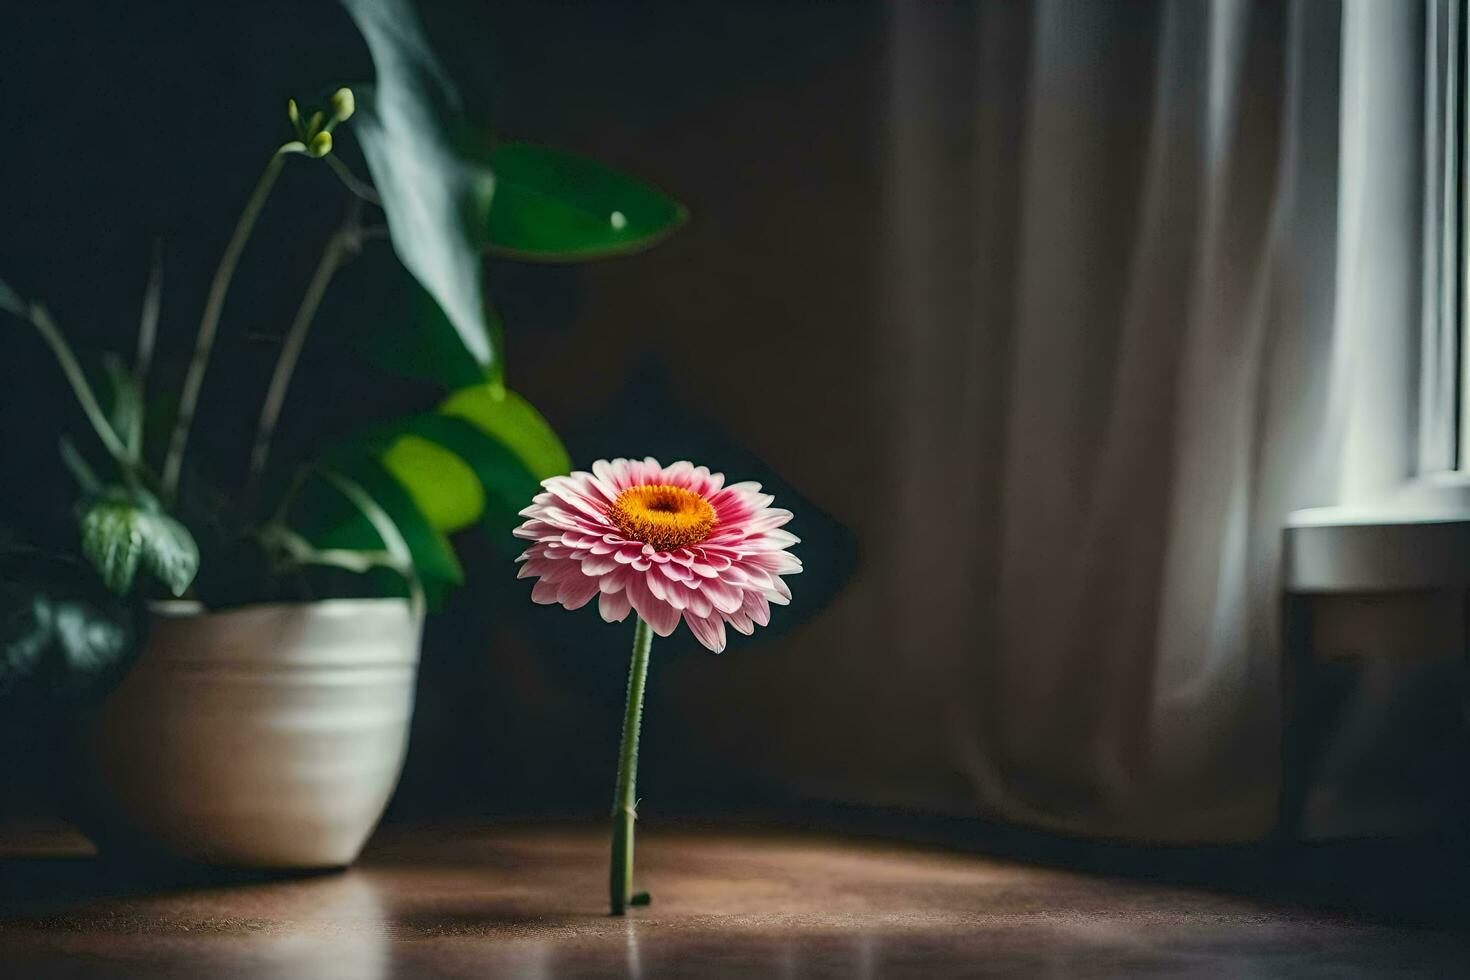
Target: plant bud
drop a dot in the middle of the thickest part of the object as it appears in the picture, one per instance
(320, 145)
(293, 114)
(343, 104)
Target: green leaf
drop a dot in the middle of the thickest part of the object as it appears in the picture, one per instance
(385, 316)
(442, 484)
(509, 419)
(554, 206)
(387, 529)
(481, 456)
(118, 536)
(499, 483)
(436, 193)
(58, 629)
(323, 517)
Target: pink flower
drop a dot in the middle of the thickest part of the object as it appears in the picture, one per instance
(665, 541)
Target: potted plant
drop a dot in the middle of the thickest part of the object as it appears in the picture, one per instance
(266, 631)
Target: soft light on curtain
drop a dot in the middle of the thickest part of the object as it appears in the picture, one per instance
(1140, 309)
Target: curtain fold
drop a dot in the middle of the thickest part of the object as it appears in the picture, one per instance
(1141, 305)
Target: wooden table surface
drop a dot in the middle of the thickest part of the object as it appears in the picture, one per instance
(529, 902)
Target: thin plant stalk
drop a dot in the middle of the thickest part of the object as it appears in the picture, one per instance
(78, 381)
(148, 320)
(352, 182)
(134, 473)
(339, 247)
(209, 322)
(625, 800)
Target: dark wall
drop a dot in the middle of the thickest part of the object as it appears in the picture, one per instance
(741, 342)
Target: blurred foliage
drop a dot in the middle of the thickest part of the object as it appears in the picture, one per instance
(434, 185)
(60, 631)
(554, 206)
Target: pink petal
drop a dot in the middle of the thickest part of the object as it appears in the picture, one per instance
(576, 592)
(671, 592)
(709, 630)
(741, 621)
(679, 474)
(614, 581)
(655, 585)
(676, 572)
(768, 520)
(529, 531)
(613, 606)
(595, 564)
(696, 601)
(757, 608)
(724, 597)
(661, 617)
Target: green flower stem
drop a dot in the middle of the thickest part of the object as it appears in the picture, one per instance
(343, 242)
(209, 322)
(625, 802)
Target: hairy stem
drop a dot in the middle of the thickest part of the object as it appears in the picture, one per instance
(341, 244)
(209, 322)
(625, 801)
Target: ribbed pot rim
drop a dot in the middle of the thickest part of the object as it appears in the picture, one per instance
(324, 633)
(175, 609)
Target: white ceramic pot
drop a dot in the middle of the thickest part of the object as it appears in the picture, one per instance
(268, 736)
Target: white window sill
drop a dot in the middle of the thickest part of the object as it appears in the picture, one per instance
(1417, 540)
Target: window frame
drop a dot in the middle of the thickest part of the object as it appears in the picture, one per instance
(1444, 408)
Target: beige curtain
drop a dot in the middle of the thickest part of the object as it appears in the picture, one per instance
(1141, 307)
(1149, 276)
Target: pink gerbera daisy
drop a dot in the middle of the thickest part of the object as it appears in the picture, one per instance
(667, 542)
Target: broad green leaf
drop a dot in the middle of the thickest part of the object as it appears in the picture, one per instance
(435, 193)
(111, 542)
(60, 630)
(328, 521)
(118, 537)
(502, 485)
(554, 206)
(385, 316)
(443, 485)
(509, 419)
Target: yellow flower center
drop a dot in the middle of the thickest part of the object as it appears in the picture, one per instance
(666, 517)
